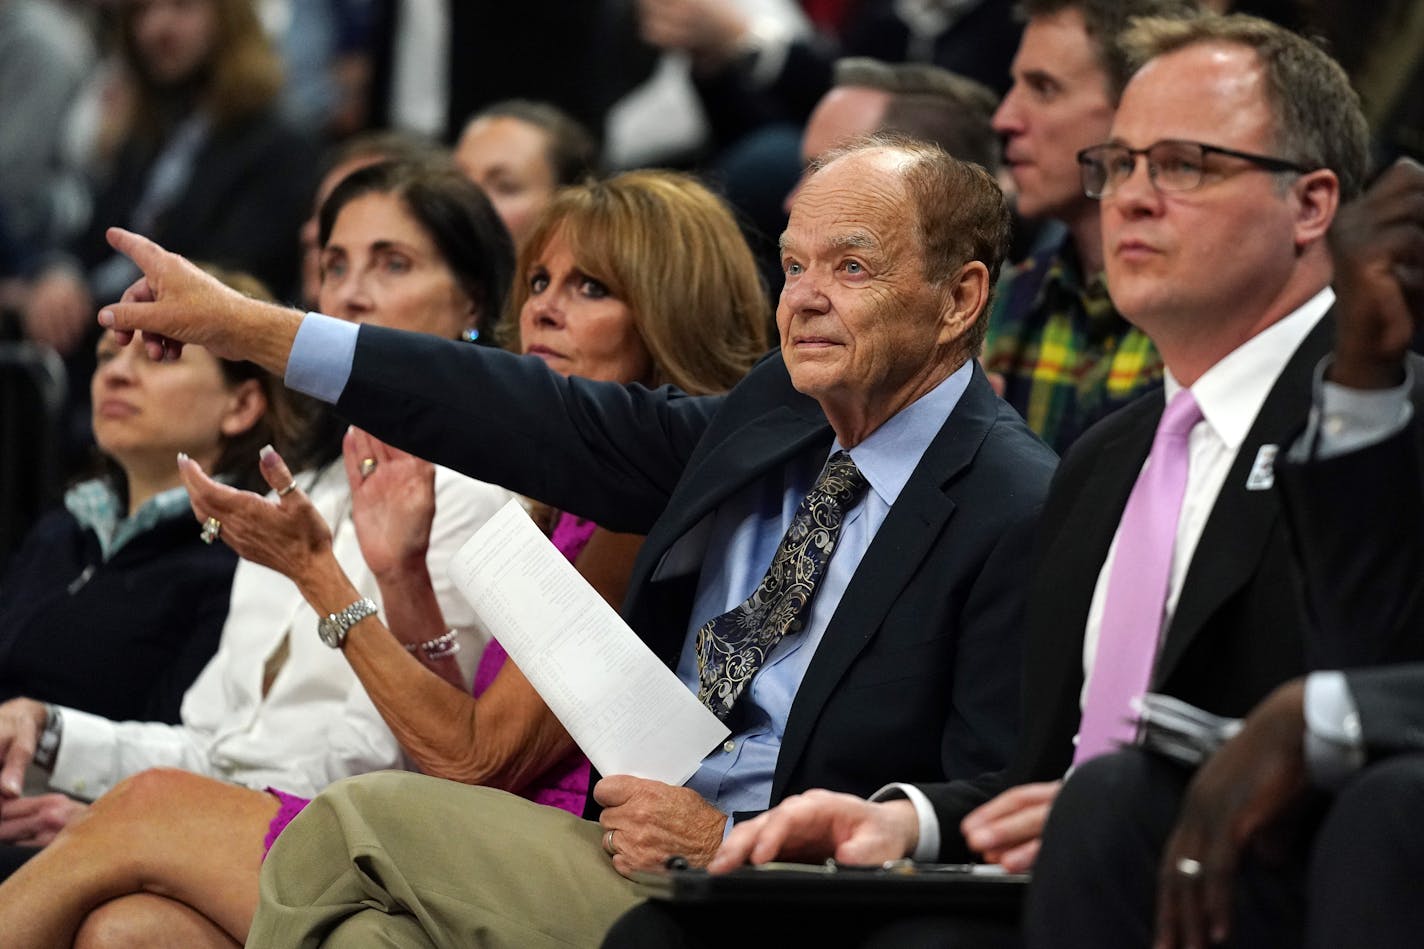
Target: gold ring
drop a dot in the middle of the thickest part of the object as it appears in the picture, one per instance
(608, 844)
(212, 527)
(1189, 868)
(368, 465)
(288, 489)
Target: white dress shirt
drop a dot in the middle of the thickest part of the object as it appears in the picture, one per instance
(316, 723)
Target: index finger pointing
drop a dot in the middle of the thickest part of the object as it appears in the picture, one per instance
(142, 251)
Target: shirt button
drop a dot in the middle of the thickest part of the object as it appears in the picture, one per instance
(729, 746)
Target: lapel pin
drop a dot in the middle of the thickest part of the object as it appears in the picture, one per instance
(1263, 469)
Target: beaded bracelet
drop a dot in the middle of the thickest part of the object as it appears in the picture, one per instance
(440, 647)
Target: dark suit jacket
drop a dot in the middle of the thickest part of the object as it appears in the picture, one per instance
(917, 672)
(1239, 628)
(1357, 522)
(1390, 701)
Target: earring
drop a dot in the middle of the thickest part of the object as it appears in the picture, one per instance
(470, 335)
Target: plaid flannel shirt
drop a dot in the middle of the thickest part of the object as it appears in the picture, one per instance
(1067, 357)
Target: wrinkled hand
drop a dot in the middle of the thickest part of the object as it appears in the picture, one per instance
(1378, 244)
(174, 303)
(59, 310)
(1244, 788)
(35, 821)
(819, 824)
(21, 721)
(1008, 829)
(707, 29)
(393, 506)
(652, 821)
(286, 534)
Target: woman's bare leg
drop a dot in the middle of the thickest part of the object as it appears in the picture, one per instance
(145, 921)
(170, 833)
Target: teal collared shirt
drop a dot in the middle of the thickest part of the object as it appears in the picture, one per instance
(96, 507)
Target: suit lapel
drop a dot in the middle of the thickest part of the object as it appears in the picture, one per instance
(1099, 495)
(1072, 546)
(747, 452)
(743, 456)
(1241, 521)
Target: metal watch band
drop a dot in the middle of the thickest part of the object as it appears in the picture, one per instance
(334, 627)
(47, 748)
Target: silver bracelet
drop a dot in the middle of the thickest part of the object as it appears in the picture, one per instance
(440, 647)
(47, 748)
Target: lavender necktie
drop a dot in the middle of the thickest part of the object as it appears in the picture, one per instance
(1137, 586)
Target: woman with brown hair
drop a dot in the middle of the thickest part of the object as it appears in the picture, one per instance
(72, 629)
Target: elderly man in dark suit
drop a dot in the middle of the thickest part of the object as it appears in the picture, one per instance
(905, 660)
(1163, 556)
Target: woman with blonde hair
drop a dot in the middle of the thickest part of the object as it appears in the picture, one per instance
(668, 248)
(595, 296)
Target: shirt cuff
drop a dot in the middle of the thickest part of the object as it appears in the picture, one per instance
(86, 750)
(321, 358)
(1343, 419)
(1334, 745)
(927, 849)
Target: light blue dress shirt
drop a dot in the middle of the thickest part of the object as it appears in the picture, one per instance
(746, 530)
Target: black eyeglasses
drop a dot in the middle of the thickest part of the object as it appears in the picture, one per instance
(1172, 165)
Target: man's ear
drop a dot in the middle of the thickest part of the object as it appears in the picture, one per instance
(1317, 198)
(966, 296)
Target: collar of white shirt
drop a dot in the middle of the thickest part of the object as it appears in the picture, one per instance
(1231, 392)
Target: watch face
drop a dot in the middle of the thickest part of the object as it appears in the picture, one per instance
(330, 632)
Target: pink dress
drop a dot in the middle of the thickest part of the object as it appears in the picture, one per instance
(565, 785)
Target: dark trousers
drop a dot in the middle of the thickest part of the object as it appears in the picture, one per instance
(12, 858)
(1349, 876)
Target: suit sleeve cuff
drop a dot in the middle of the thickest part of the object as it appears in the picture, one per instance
(927, 848)
(1334, 745)
(1343, 420)
(321, 358)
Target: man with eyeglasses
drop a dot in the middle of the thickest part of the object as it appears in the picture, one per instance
(1163, 562)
